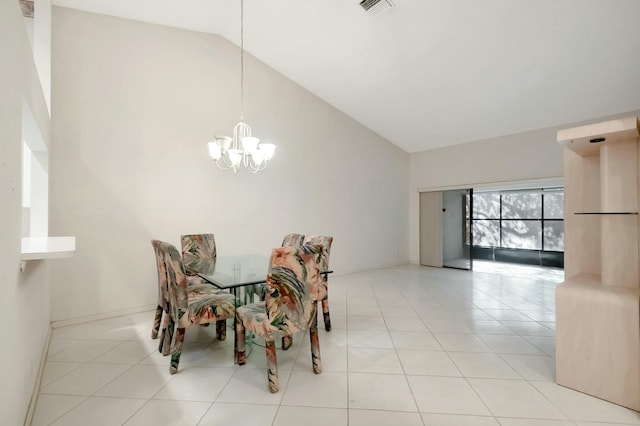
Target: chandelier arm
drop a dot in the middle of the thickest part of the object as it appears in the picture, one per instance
(222, 164)
(253, 168)
(227, 164)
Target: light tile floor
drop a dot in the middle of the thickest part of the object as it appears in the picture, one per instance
(410, 346)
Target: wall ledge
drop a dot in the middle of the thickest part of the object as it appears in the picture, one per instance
(37, 248)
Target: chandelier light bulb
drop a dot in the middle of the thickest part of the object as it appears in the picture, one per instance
(214, 150)
(268, 149)
(224, 142)
(235, 156)
(257, 156)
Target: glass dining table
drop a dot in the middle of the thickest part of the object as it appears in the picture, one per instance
(245, 276)
(238, 272)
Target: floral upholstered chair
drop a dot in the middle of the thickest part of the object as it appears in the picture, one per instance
(324, 241)
(261, 289)
(199, 256)
(290, 306)
(296, 240)
(191, 304)
(163, 301)
(293, 240)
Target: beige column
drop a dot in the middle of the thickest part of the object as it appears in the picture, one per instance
(619, 194)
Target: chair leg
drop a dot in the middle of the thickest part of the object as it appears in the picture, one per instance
(161, 344)
(241, 348)
(325, 314)
(272, 366)
(169, 335)
(156, 322)
(316, 360)
(177, 351)
(168, 329)
(221, 329)
(287, 341)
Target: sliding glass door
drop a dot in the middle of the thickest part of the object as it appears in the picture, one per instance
(456, 229)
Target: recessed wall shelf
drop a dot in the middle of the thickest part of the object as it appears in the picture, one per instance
(36, 248)
(632, 213)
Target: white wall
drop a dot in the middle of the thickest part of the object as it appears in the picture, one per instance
(24, 302)
(526, 156)
(42, 46)
(133, 107)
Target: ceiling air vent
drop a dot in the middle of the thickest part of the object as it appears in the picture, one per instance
(376, 7)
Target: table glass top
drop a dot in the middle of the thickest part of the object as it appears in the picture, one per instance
(235, 271)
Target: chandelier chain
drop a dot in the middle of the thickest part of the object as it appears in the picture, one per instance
(241, 60)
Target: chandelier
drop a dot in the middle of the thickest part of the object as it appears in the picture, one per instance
(243, 149)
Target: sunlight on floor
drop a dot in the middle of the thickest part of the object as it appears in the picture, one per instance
(522, 271)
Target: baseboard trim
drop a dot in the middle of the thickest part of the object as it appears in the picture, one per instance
(370, 268)
(98, 317)
(31, 410)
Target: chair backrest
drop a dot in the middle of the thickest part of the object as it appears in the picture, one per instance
(293, 240)
(293, 284)
(176, 279)
(324, 241)
(163, 290)
(299, 239)
(198, 253)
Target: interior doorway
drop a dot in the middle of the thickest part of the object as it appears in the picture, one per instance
(457, 237)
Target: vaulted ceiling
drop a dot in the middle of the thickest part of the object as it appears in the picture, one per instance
(432, 73)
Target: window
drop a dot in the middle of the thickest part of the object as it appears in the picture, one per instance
(35, 178)
(521, 234)
(524, 219)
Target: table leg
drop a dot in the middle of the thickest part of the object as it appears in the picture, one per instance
(235, 326)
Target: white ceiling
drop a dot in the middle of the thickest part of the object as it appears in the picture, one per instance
(432, 73)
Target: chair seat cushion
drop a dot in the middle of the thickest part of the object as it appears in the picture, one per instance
(254, 318)
(207, 304)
